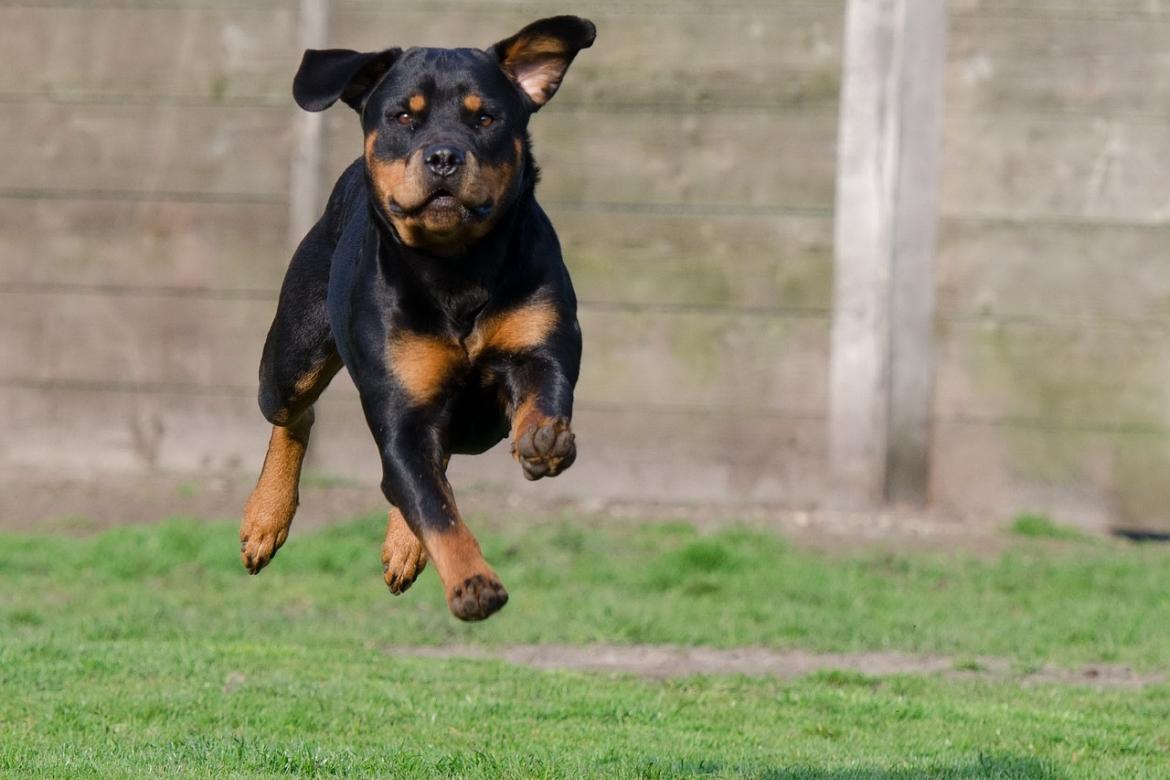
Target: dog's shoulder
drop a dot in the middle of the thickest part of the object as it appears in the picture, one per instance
(349, 194)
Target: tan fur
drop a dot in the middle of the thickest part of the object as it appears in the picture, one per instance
(308, 382)
(529, 47)
(537, 65)
(270, 509)
(416, 104)
(402, 183)
(457, 556)
(524, 417)
(473, 103)
(395, 181)
(514, 331)
(403, 555)
(422, 363)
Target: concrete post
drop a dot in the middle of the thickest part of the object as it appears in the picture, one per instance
(881, 367)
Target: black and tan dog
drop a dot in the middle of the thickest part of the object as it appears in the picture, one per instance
(436, 279)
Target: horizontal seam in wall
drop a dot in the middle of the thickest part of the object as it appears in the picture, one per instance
(813, 8)
(1041, 425)
(1022, 13)
(270, 295)
(243, 392)
(824, 109)
(140, 196)
(1065, 221)
(600, 207)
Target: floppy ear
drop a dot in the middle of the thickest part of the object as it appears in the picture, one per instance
(537, 57)
(329, 74)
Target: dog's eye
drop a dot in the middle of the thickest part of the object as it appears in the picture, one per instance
(485, 120)
(404, 118)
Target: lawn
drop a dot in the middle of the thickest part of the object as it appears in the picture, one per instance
(146, 651)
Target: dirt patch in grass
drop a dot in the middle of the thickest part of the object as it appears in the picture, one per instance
(664, 662)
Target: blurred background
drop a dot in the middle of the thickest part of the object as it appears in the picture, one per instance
(153, 167)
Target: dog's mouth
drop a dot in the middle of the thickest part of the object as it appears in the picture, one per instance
(442, 200)
(442, 203)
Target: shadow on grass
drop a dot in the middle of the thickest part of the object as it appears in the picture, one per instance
(983, 767)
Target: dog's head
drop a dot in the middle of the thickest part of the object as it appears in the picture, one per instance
(446, 130)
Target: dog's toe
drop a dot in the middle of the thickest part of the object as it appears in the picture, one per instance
(258, 545)
(478, 597)
(402, 563)
(547, 449)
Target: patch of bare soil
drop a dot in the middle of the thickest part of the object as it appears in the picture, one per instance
(664, 662)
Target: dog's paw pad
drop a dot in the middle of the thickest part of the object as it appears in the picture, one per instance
(478, 597)
(402, 563)
(546, 449)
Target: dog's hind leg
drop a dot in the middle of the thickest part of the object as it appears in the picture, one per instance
(300, 358)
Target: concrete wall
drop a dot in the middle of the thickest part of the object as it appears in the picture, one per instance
(689, 167)
(1054, 262)
(688, 163)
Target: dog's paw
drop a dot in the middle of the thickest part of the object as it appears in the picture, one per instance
(403, 559)
(478, 597)
(546, 449)
(259, 542)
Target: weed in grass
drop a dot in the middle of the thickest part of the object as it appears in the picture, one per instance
(25, 617)
(700, 566)
(1042, 527)
(844, 678)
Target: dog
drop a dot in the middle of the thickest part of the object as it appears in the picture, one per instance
(437, 280)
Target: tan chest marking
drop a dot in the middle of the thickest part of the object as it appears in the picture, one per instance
(423, 364)
(517, 330)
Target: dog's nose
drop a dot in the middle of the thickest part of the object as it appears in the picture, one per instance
(443, 160)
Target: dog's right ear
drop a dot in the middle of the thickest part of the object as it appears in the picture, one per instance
(326, 75)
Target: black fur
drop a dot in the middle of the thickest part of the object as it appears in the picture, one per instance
(355, 283)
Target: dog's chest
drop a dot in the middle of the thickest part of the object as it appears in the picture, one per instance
(425, 363)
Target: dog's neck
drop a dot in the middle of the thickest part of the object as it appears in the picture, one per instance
(460, 285)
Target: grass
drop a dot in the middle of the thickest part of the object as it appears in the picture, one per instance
(145, 651)
(1042, 527)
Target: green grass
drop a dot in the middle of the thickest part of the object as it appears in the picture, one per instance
(285, 707)
(1042, 527)
(145, 651)
(576, 583)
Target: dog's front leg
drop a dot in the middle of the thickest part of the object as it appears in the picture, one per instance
(539, 392)
(414, 481)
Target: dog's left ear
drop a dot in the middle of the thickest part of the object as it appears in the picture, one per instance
(329, 74)
(537, 57)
